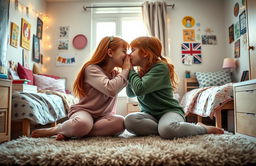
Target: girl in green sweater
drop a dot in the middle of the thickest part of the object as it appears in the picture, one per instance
(153, 86)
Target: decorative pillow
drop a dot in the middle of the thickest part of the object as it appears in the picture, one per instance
(206, 79)
(25, 74)
(48, 83)
(52, 76)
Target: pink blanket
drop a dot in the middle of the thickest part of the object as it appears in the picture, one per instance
(206, 101)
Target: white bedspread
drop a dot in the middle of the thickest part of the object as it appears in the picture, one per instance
(206, 101)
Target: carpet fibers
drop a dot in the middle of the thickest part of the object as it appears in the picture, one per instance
(226, 149)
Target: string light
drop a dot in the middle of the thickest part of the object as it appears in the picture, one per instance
(27, 8)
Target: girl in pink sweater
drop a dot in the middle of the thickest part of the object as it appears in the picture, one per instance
(97, 86)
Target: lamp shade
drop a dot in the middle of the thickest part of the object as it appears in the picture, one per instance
(229, 63)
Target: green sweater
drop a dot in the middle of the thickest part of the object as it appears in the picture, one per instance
(154, 91)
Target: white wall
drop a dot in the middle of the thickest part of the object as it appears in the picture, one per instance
(13, 53)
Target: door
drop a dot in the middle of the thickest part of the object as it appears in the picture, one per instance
(251, 15)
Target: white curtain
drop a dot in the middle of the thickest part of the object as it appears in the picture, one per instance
(155, 19)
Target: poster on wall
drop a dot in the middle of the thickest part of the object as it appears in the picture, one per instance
(242, 20)
(193, 50)
(36, 49)
(63, 44)
(209, 40)
(64, 32)
(25, 34)
(188, 21)
(237, 48)
(25, 58)
(14, 35)
(231, 33)
(237, 30)
(188, 35)
(39, 28)
(65, 60)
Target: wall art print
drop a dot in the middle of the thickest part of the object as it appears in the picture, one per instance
(39, 28)
(237, 49)
(65, 60)
(36, 49)
(188, 21)
(231, 33)
(191, 51)
(14, 34)
(242, 20)
(188, 35)
(25, 34)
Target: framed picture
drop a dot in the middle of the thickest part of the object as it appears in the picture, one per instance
(64, 32)
(188, 35)
(209, 39)
(237, 48)
(39, 29)
(231, 33)
(36, 49)
(245, 76)
(63, 44)
(25, 58)
(237, 30)
(14, 35)
(242, 21)
(25, 34)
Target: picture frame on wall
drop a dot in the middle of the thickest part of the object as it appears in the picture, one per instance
(237, 49)
(36, 49)
(14, 35)
(25, 58)
(231, 33)
(242, 21)
(25, 34)
(245, 76)
(39, 29)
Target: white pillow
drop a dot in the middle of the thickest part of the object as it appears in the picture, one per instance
(48, 83)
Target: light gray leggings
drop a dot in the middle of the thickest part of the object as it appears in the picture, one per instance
(171, 125)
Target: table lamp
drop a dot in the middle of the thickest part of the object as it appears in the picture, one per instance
(229, 63)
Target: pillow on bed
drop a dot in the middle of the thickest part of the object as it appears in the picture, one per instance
(206, 79)
(48, 83)
(25, 73)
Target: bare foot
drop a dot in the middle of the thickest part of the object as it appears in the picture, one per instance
(46, 132)
(61, 137)
(211, 129)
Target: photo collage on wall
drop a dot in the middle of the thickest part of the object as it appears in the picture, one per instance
(237, 30)
(63, 58)
(193, 41)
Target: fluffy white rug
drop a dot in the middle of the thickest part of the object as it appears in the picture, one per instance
(226, 149)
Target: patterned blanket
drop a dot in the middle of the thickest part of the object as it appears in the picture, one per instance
(41, 108)
(206, 101)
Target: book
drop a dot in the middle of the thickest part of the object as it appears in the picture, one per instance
(20, 81)
(3, 76)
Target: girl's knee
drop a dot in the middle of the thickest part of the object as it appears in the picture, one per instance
(118, 124)
(81, 127)
(169, 131)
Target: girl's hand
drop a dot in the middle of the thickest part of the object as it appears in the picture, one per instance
(127, 63)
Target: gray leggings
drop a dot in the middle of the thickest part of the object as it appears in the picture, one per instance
(171, 125)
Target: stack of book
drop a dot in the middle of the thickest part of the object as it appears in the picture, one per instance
(20, 81)
(3, 76)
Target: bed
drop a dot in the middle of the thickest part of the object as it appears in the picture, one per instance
(207, 101)
(43, 101)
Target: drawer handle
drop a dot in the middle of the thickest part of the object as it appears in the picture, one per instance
(249, 90)
(251, 114)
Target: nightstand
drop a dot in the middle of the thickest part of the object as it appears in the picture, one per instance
(245, 107)
(5, 109)
(24, 88)
(132, 107)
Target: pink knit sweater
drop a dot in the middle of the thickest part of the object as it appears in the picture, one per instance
(102, 90)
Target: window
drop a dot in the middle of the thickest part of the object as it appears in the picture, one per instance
(125, 22)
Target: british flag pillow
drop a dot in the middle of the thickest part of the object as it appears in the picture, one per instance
(206, 79)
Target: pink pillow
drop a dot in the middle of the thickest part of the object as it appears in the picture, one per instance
(48, 83)
(25, 73)
(52, 76)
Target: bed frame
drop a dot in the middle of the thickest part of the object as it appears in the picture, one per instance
(190, 84)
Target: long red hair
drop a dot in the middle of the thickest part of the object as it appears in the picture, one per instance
(153, 48)
(99, 57)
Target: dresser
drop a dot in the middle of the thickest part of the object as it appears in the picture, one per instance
(132, 107)
(5, 109)
(245, 107)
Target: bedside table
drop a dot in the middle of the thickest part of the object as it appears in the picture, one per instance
(5, 109)
(245, 107)
(132, 107)
(24, 88)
